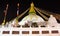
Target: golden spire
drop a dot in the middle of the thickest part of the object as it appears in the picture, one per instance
(32, 4)
(32, 11)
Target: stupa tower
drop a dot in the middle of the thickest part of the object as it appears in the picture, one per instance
(32, 11)
(31, 16)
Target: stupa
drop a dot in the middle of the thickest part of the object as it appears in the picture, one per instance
(45, 28)
(31, 17)
(52, 21)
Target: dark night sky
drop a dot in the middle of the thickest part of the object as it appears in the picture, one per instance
(52, 6)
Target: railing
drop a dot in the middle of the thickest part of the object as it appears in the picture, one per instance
(30, 31)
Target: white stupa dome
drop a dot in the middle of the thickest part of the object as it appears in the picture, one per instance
(33, 18)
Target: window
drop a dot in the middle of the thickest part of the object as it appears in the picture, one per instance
(54, 31)
(6, 32)
(25, 32)
(15, 32)
(45, 32)
(35, 32)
